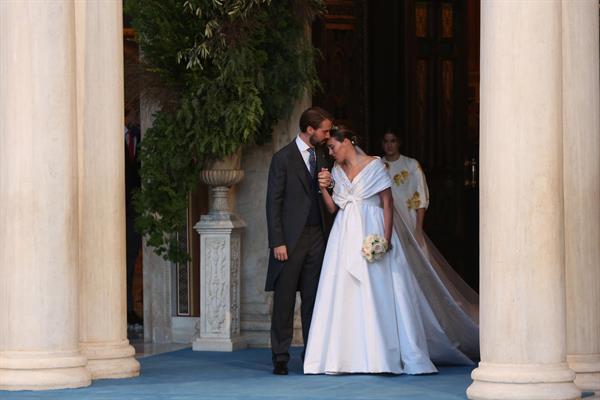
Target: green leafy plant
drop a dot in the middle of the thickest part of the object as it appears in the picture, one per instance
(223, 73)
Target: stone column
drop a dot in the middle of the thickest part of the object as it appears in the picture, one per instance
(103, 320)
(220, 260)
(581, 134)
(522, 287)
(39, 338)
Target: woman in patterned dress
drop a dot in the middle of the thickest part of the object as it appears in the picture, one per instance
(409, 188)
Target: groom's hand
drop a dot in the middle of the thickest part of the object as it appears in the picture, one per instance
(280, 253)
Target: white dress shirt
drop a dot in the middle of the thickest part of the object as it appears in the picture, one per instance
(303, 147)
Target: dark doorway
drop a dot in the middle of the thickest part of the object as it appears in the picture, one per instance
(413, 66)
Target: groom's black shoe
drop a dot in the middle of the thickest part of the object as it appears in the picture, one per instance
(280, 368)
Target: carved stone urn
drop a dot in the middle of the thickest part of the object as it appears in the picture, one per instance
(220, 261)
(220, 176)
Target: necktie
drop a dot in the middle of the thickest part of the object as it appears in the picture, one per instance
(312, 161)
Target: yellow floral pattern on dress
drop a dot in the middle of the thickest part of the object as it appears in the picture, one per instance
(414, 202)
(401, 177)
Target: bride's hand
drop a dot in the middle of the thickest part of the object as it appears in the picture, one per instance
(324, 178)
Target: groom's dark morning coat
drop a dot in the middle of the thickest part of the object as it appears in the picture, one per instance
(288, 202)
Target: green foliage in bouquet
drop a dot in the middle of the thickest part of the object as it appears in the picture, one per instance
(227, 71)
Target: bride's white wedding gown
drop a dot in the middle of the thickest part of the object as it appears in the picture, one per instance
(372, 317)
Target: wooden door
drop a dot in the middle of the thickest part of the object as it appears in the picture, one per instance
(340, 35)
(435, 124)
(420, 76)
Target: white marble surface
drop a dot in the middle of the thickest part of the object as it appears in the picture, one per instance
(183, 329)
(158, 294)
(220, 262)
(581, 122)
(39, 307)
(102, 322)
(251, 194)
(522, 285)
(145, 349)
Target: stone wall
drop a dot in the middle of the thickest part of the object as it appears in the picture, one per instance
(250, 206)
(249, 199)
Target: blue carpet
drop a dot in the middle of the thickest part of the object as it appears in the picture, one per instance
(246, 374)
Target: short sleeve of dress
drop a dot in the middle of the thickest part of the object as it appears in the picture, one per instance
(421, 182)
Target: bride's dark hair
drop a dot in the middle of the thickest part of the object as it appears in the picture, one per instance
(341, 132)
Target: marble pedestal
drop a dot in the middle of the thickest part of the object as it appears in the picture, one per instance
(220, 262)
(220, 248)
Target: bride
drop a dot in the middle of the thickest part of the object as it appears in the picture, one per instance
(374, 317)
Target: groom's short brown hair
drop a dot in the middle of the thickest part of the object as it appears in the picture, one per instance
(313, 117)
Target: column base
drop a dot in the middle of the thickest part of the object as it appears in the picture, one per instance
(523, 382)
(219, 344)
(26, 370)
(587, 370)
(111, 360)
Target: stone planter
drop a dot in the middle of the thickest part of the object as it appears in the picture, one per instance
(220, 261)
(220, 181)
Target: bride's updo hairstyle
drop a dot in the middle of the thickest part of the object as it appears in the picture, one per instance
(341, 132)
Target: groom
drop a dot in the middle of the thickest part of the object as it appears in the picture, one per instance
(298, 227)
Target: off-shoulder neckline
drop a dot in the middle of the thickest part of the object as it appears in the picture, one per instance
(359, 172)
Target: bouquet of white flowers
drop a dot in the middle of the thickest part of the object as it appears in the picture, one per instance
(374, 247)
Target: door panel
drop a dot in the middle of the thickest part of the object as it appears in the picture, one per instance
(420, 76)
(341, 37)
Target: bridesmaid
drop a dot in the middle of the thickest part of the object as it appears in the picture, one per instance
(409, 188)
